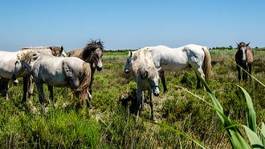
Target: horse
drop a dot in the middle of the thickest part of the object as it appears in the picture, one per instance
(165, 58)
(27, 79)
(146, 77)
(244, 58)
(92, 53)
(7, 68)
(57, 71)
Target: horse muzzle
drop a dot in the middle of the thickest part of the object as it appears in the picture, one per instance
(14, 78)
(99, 68)
(156, 91)
(126, 71)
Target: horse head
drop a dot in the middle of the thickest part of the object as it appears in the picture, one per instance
(128, 64)
(93, 53)
(144, 68)
(25, 61)
(242, 46)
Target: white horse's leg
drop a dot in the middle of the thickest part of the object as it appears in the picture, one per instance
(50, 88)
(151, 104)
(4, 87)
(139, 99)
(163, 80)
(40, 91)
(196, 65)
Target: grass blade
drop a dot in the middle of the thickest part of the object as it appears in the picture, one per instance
(250, 111)
(262, 130)
(253, 138)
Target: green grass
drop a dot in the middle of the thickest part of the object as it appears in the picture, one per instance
(183, 120)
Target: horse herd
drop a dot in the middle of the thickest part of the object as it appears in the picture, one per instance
(75, 69)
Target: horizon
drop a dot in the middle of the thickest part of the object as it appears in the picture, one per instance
(131, 24)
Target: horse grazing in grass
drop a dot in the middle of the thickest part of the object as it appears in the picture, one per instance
(7, 68)
(57, 71)
(91, 54)
(244, 58)
(146, 77)
(165, 58)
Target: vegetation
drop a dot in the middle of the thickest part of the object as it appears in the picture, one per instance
(185, 115)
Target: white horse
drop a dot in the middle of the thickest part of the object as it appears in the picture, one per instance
(165, 58)
(146, 77)
(57, 71)
(7, 68)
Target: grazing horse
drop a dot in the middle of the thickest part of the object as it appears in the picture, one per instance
(165, 58)
(244, 58)
(146, 77)
(7, 68)
(91, 54)
(57, 71)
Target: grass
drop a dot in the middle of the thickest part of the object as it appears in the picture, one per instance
(183, 120)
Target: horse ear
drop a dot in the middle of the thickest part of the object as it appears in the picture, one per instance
(35, 56)
(247, 44)
(61, 50)
(130, 54)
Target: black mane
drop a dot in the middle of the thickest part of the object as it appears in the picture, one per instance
(91, 47)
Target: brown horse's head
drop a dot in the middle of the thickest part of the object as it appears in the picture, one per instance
(93, 53)
(242, 46)
(244, 52)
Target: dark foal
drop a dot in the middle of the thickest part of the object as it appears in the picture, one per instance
(244, 59)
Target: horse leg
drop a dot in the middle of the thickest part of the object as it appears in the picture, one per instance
(31, 87)
(25, 88)
(90, 86)
(50, 88)
(162, 77)
(198, 81)
(245, 75)
(91, 81)
(138, 103)
(250, 70)
(199, 73)
(238, 72)
(4, 88)
(151, 104)
(41, 92)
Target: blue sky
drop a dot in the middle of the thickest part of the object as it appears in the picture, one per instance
(130, 23)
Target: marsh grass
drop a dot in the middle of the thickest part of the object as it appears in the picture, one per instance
(183, 121)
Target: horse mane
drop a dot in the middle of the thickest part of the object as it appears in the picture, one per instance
(90, 47)
(25, 55)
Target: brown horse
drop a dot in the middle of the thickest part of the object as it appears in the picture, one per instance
(244, 58)
(91, 54)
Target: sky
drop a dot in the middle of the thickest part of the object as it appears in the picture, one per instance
(130, 24)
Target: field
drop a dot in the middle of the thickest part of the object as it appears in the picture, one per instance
(180, 116)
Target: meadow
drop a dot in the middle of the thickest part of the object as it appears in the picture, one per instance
(180, 117)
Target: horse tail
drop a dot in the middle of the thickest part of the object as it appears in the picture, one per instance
(207, 66)
(85, 81)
